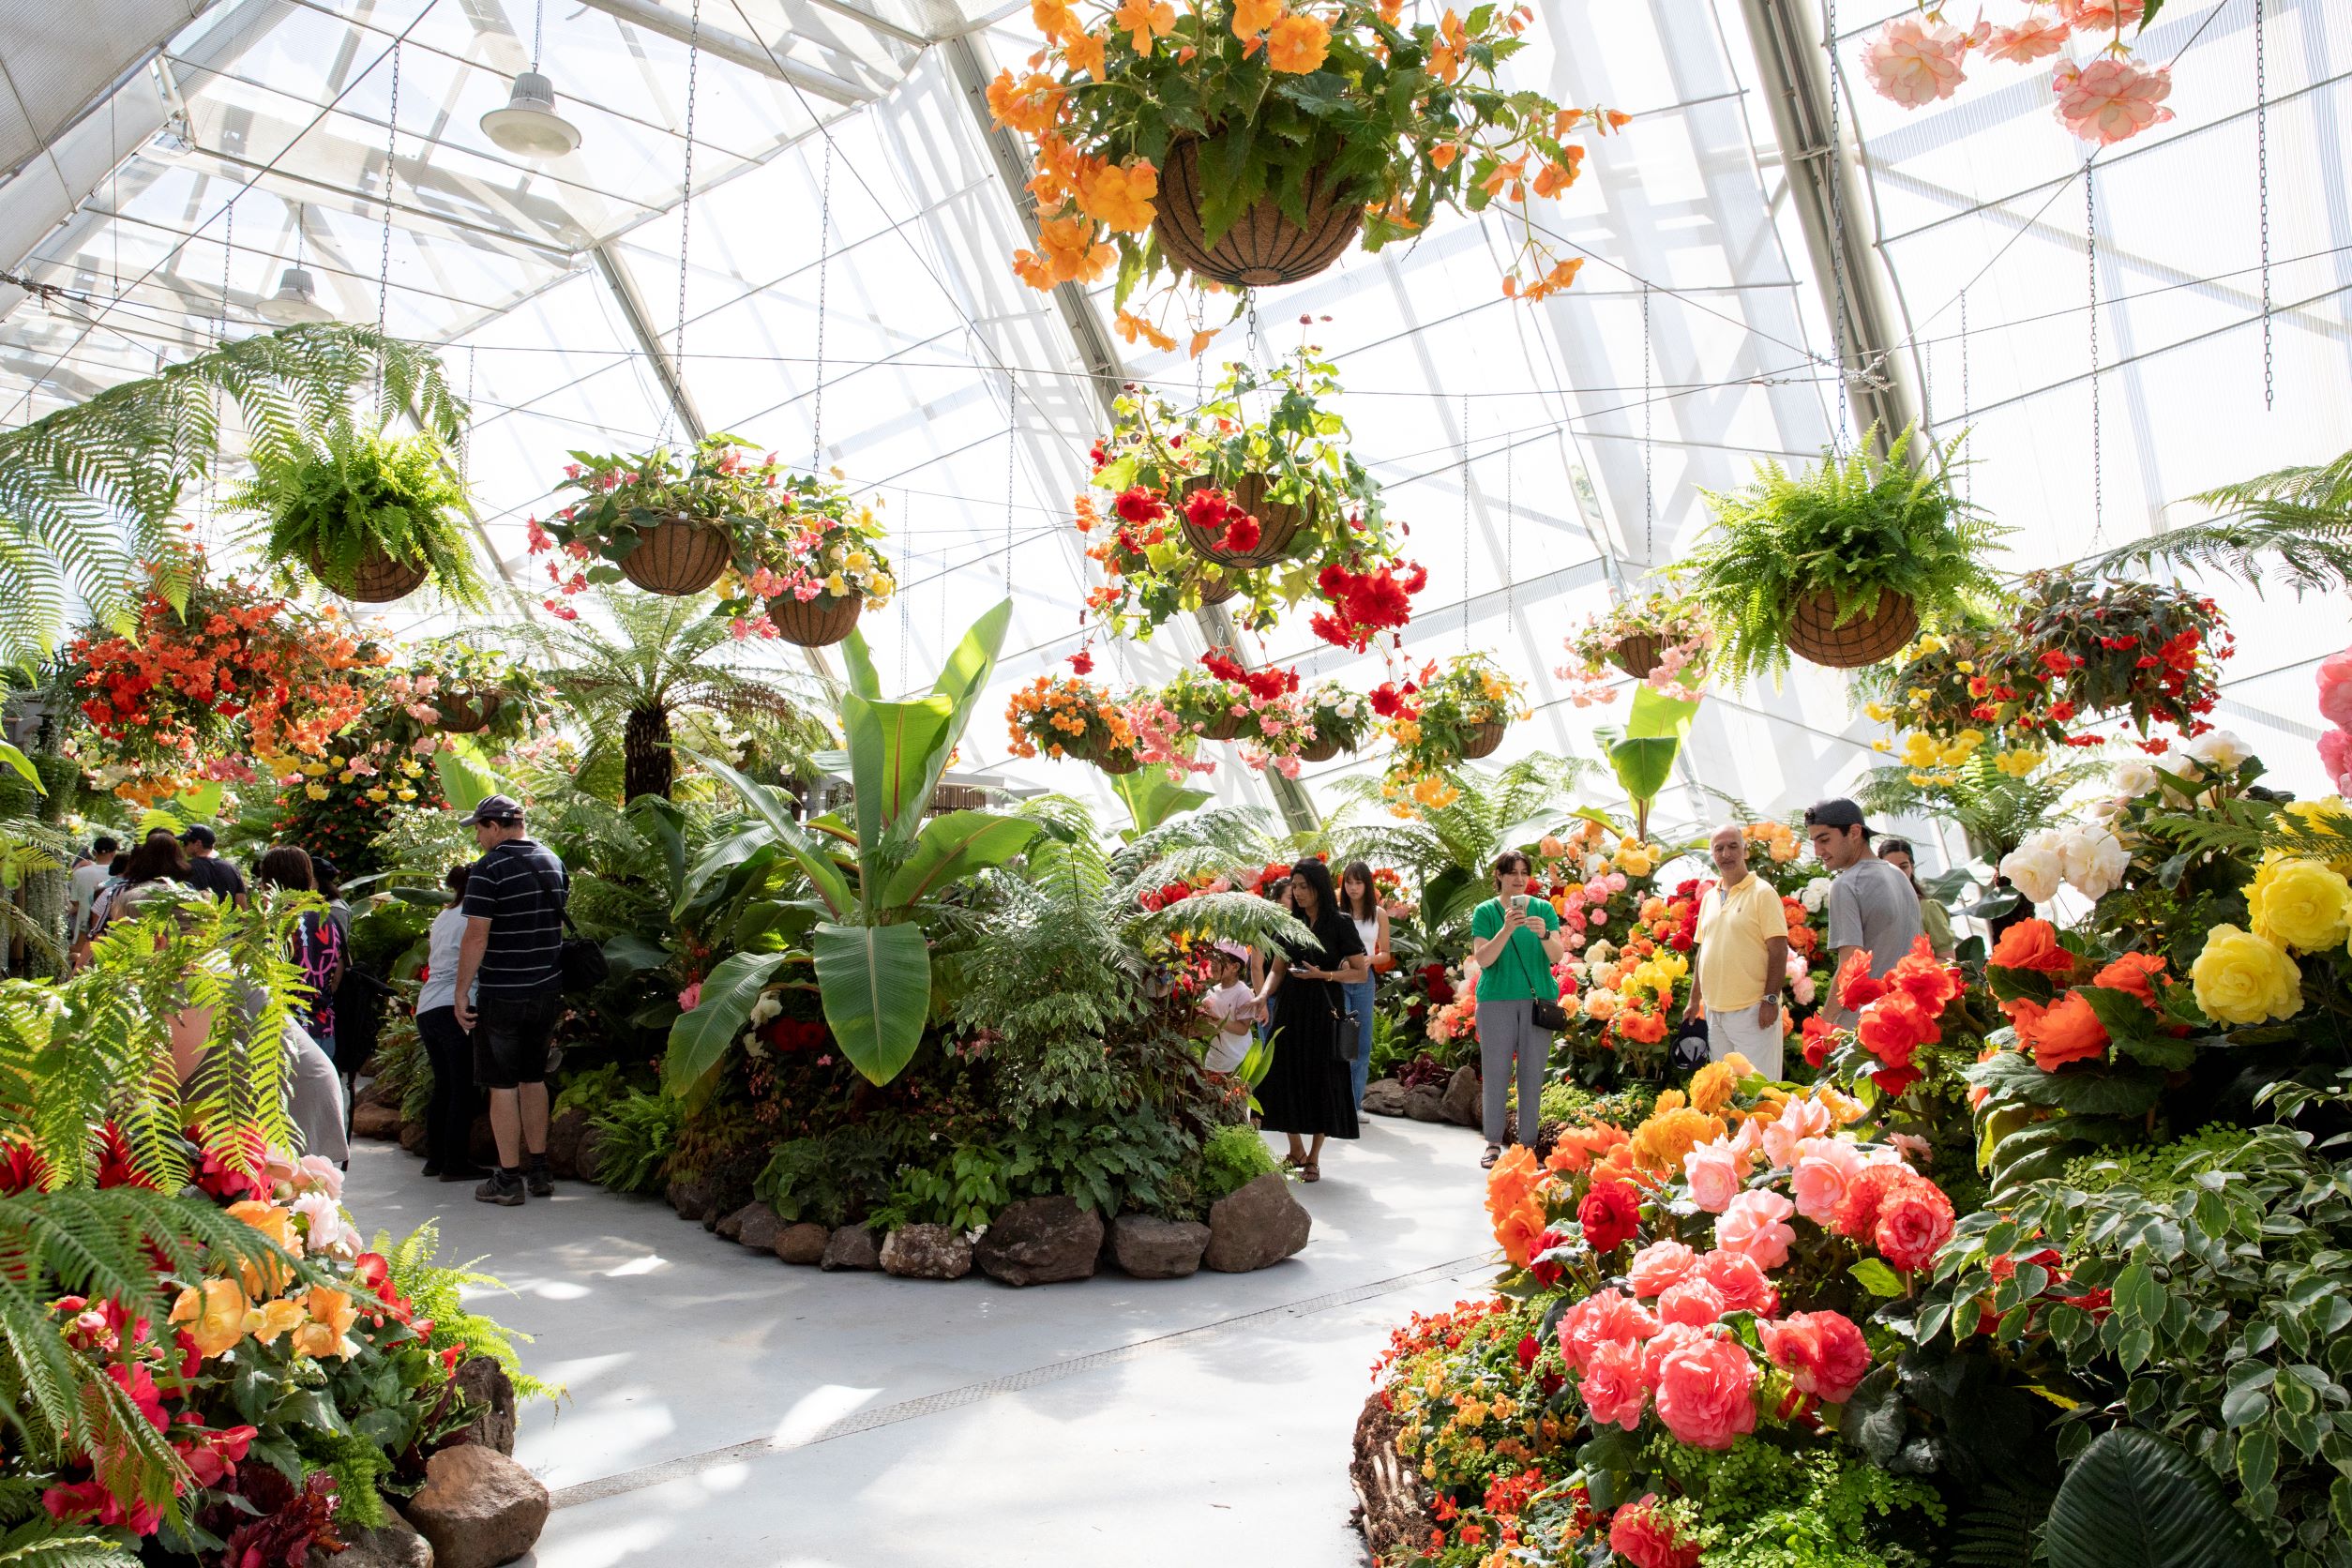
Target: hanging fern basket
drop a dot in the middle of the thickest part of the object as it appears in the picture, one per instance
(468, 713)
(1278, 523)
(1482, 740)
(1322, 749)
(818, 622)
(1264, 247)
(1815, 634)
(1637, 655)
(682, 556)
(377, 580)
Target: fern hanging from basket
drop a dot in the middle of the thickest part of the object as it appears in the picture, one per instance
(1858, 529)
(349, 495)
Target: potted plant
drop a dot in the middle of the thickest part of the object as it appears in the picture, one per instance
(1204, 506)
(371, 517)
(1655, 638)
(804, 561)
(1340, 718)
(1451, 713)
(1842, 564)
(454, 687)
(1248, 142)
(1063, 715)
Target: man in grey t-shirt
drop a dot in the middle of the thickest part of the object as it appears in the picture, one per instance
(1873, 906)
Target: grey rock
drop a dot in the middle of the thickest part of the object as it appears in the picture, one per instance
(1255, 1228)
(690, 1198)
(730, 1225)
(804, 1242)
(1424, 1103)
(492, 1393)
(1462, 1105)
(374, 1120)
(1149, 1247)
(477, 1507)
(413, 1137)
(1384, 1097)
(760, 1227)
(853, 1247)
(1041, 1241)
(591, 1150)
(393, 1543)
(565, 1135)
(927, 1252)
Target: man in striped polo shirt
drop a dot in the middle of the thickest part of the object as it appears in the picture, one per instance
(513, 946)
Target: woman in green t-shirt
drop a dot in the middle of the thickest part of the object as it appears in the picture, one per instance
(1517, 940)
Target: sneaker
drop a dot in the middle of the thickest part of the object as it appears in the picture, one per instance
(540, 1179)
(504, 1188)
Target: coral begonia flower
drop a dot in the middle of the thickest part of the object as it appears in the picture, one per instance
(1120, 195)
(1144, 20)
(213, 1313)
(2036, 38)
(1297, 45)
(2111, 100)
(1028, 105)
(1253, 17)
(1085, 52)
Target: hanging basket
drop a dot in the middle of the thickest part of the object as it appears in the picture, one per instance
(1637, 655)
(1225, 727)
(469, 712)
(957, 797)
(1815, 634)
(818, 622)
(379, 580)
(1123, 759)
(684, 555)
(1214, 590)
(1483, 740)
(1263, 247)
(1278, 523)
(1322, 749)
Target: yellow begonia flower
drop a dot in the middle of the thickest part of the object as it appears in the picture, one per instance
(213, 1313)
(2300, 904)
(2241, 978)
(407, 795)
(1878, 712)
(271, 1319)
(316, 791)
(330, 1314)
(379, 794)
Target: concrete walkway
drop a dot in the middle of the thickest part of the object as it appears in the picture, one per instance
(729, 1410)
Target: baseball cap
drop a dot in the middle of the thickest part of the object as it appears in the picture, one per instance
(198, 833)
(1835, 813)
(502, 810)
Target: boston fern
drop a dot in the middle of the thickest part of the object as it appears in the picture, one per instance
(347, 495)
(1858, 528)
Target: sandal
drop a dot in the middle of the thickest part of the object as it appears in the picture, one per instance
(1494, 1152)
(1310, 1171)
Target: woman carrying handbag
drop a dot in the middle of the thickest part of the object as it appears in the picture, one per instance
(1517, 940)
(1307, 1088)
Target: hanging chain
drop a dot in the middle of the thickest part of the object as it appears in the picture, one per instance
(2262, 185)
(1510, 535)
(465, 432)
(1834, 165)
(1465, 522)
(686, 222)
(824, 270)
(2091, 258)
(1968, 486)
(538, 31)
(383, 261)
(1012, 437)
(1648, 453)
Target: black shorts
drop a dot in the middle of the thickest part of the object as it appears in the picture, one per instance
(510, 1039)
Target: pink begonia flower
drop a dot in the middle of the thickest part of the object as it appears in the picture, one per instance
(2111, 100)
(2335, 757)
(1914, 61)
(691, 998)
(1604, 1317)
(1823, 1168)
(1694, 1302)
(1713, 1170)
(1613, 1387)
(1756, 1224)
(2102, 16)
(1739, 1283)
(1659, 1267)
(2037, 37)
(1706, 1392)
(2336, 689)
(1799, 1120)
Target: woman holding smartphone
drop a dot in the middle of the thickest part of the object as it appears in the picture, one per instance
(1361, 905)
(1517, 939)
(1306, 1089)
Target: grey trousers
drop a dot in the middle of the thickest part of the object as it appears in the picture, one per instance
(1507, 1029)
(315, 1096)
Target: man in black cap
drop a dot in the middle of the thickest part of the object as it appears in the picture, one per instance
(206, 871)
(513, 946)
(1873, 906)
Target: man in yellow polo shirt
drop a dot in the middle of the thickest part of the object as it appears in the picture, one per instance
(1742, 959)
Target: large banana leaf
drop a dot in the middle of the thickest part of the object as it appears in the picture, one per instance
(876, 982)
(466, 777)
(2136, 1500)
(956, 845)
(811, 851)
(699, 1041)
(1153, 798)
(864, 678)
(1643, 758)
(892, 747)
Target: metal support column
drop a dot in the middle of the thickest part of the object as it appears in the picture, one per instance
(1794, 72)
(623, 288)
(1102, 360)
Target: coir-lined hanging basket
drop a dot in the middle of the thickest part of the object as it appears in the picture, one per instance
(1214, 590)
(1321, 750)
(1815, 634)
(1225, 727)
(1117, 759)
(1264, 247)
(467, 712)
(818, 622)
(681, 556)
(1636, 654)
(1278, 523)
(1483, 740)
(377, 580)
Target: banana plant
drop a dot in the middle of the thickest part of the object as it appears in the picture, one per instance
(872, 878)
(1643, 757)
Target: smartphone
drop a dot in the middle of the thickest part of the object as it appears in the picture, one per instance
(1516, 903)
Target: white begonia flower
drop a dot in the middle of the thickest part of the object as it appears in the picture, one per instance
(1815, 895)
(767, 1007)
(2036, 868)
(2134, 778)
(2095, 860)
(2219, 751)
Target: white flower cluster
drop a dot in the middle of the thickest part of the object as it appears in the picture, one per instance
(2082, 855)
(1815, 894)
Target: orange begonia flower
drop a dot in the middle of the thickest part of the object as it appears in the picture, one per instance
(1120, 195)
(272, 1319)
(1145, 19)
(1085, 52)
(1055, 19)
(1445, 60)
(1133, 326)
(1513, 174)
(1029, 105)
(331, 1315)
(1202, 340)
(1253, 17)
(213, 1315)
(1553, 178)
(1392, 11)
(1444, 153)
(1297, 45)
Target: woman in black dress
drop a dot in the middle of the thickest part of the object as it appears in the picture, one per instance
(1307, 1090)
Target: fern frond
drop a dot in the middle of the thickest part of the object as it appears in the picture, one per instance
(2300, 517)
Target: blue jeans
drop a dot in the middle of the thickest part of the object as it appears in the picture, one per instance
(1360, 1002)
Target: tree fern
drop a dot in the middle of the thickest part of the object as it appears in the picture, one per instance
(1995, 1531)
(43, 1542)
(2300, 517)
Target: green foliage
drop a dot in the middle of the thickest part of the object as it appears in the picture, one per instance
(1573, 1104)
(2135, 1500)
(439, 1291)
(638, 1133)
(1763, 1506)
(831, 1177)
(42, 1543)
(1996, 810)
(1857, 528)
(2302, 516)
(1130, 1158)
(591, 1090)
(963, 1191)
(344, 494)
(358, 1466)
(1232, 1157)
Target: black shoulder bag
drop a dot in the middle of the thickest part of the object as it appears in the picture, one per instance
(580, 961)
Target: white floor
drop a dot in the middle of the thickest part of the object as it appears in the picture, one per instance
(727, 1410)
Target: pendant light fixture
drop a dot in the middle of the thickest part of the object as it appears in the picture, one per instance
(295, 303)
(529, 127)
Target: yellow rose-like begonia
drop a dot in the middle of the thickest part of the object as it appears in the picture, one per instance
(2331, 817)
(271, 1319)
(213, 1313)
(1711, 1086)
(2241, 978)
(316, 791)
(328, 1317)
(2300, 904)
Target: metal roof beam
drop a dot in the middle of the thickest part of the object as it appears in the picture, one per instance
(750, 53)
